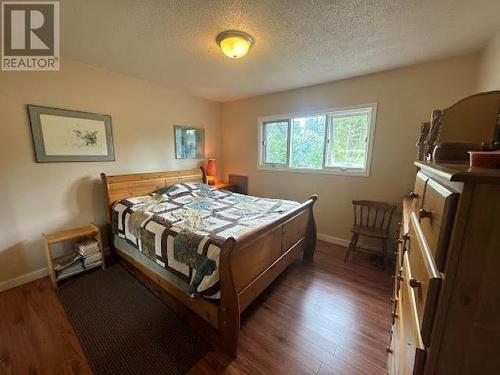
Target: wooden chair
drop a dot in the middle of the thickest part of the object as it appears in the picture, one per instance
(371, 219)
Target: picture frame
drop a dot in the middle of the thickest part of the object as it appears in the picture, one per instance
(189, 142)
(62, 135)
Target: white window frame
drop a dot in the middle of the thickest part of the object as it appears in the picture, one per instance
(344, 171)
(263, 148)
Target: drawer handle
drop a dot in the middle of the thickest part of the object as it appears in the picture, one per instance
(412, 195)
(398, 277)
(424, 213)
(414, 283)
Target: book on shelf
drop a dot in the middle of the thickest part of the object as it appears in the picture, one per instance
(87, 248)
(71, 270)
(88, 253)
(75, 269)
(86, 244)
(66, 261)
(90, 260)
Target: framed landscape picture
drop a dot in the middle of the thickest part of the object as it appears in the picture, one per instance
(189, 142)
(61, 135)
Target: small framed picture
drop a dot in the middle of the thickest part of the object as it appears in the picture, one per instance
(189, 142)
(61, 135)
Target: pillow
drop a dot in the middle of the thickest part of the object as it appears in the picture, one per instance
(176, 189)
(170, 190)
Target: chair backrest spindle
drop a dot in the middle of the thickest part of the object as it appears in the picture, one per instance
(372, 214)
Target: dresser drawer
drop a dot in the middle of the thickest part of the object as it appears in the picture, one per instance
(436, 219)
(399, 254)
(422, 277)
(397, 276)
(419, 190)
(394, 358)
(407, 354)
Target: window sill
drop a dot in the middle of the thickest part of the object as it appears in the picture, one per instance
(332, 171)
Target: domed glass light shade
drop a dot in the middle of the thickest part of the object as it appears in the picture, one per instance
(234, 44)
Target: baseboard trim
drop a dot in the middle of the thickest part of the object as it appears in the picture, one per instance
(345, 243)
(332, 239)
(23, 279)
(38, 274)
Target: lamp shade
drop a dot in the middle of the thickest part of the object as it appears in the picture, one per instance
(211, 167)
(234, 44)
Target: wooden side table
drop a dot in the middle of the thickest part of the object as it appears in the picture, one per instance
(90, 231)
(225, 186)
(236, 184)
(240, 182)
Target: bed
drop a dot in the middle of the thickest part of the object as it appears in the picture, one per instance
(212, 250)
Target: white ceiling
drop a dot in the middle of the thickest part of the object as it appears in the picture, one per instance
(298, 42)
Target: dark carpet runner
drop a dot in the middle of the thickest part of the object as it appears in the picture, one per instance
(125, 329)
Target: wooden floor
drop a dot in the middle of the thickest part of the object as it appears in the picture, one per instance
(322, 318)
(35, 334)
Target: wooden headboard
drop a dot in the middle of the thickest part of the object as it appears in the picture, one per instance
(132, 185)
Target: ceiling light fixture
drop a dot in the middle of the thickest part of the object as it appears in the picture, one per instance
(234, 44)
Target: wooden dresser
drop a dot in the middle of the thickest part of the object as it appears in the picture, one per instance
(446, 301)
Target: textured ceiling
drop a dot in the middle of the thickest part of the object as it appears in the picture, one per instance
(298, 42)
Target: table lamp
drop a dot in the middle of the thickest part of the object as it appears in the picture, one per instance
(211, 171)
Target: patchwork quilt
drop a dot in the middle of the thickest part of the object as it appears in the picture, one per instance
(183, 226)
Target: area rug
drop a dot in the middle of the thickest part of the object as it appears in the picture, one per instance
(125, 329)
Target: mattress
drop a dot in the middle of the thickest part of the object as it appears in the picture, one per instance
(180, 229)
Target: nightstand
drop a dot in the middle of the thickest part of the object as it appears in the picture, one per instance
(236, 184)
(226, 186)
(241, 183)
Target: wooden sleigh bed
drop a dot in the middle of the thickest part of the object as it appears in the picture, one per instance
(246, 265)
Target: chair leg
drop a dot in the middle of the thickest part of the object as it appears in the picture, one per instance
(351, 247)
(356, 237)
(384, 253)
(348, 250)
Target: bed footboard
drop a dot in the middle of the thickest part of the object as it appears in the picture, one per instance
(248, 265)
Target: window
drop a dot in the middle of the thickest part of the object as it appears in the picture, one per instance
(337, 141)
(308, 138)
(275, 136)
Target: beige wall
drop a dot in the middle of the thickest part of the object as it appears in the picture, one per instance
(405, 97)
(39, 198)
(489, 70)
